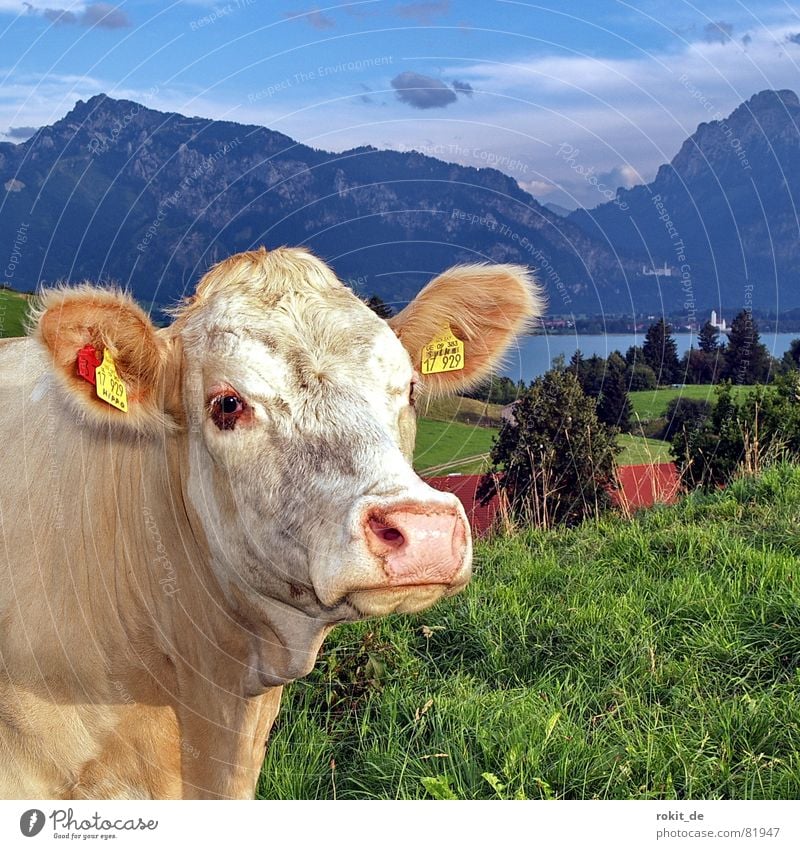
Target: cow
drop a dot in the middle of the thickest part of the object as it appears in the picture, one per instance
(188, 510)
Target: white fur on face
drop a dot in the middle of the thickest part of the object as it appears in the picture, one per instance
(330, 430)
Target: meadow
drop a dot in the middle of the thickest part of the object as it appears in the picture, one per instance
(657, 657)
(446, 447)
(13, 309)
(652, 403)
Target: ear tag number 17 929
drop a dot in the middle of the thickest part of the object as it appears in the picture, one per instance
(444, 352)
(110, 387)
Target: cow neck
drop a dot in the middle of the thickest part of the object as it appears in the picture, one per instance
(251, 643)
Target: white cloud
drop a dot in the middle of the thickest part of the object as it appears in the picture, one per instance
(623, 116)
(37, 100)
(538, 188)
(27, 8)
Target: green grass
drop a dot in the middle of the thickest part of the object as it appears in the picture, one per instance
(458, 409)
(13, 309)
(443, 442)
(637, 450)
(656, 658)
(652, 403)
(446, 442)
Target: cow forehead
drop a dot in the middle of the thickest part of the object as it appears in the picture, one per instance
(309, 329)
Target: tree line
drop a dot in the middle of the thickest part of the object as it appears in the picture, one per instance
(554, 459)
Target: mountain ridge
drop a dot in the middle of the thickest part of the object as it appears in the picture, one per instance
(115, 190)
(118, 191)
(723, 212)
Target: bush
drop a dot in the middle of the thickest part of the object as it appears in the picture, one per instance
(741, 436)
(684, 414)
(641, 377)
(649, 428)
(554, 463)
(496, 390)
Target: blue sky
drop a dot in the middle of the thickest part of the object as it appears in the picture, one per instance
(544, 91)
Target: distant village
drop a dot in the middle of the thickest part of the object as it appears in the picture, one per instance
(591, 324)
(585, 323)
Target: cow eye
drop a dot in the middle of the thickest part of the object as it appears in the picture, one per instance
(226, 409)
(230, 404)
(412, 387)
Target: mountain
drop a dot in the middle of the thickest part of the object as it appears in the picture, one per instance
(116, 191)
(557, 209)
(723, 215)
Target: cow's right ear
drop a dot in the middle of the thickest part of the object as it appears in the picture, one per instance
(83, 325)
(483, 306)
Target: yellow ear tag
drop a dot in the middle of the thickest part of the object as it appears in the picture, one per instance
(444, 352)
(110, 387)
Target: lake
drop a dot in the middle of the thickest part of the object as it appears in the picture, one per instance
(534, 355)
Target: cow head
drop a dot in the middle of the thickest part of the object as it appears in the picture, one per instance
(296, 406)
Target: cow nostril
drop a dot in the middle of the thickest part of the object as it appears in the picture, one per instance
(391, 535)
(387, 534)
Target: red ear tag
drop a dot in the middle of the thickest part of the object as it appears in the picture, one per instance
(88, 361)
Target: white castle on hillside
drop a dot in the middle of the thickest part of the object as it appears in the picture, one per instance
(720, 325)
(666, 271)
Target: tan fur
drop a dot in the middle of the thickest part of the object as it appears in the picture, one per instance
(67, 319)
(160, 579)
(486, 306)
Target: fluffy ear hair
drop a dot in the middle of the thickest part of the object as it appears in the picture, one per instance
(486, 306)
(67, 319)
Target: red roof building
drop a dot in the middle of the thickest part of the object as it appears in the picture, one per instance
(640, 486)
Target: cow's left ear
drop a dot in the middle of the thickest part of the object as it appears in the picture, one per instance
(83, 325)
(485, 306)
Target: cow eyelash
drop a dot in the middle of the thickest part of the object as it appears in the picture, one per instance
(226, 409)
(411, 399)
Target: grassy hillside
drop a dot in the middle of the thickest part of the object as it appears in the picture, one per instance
(443, 442)
(13, 309)
(458, 409)
(653, 658)
(652, 403)
(637, 450)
